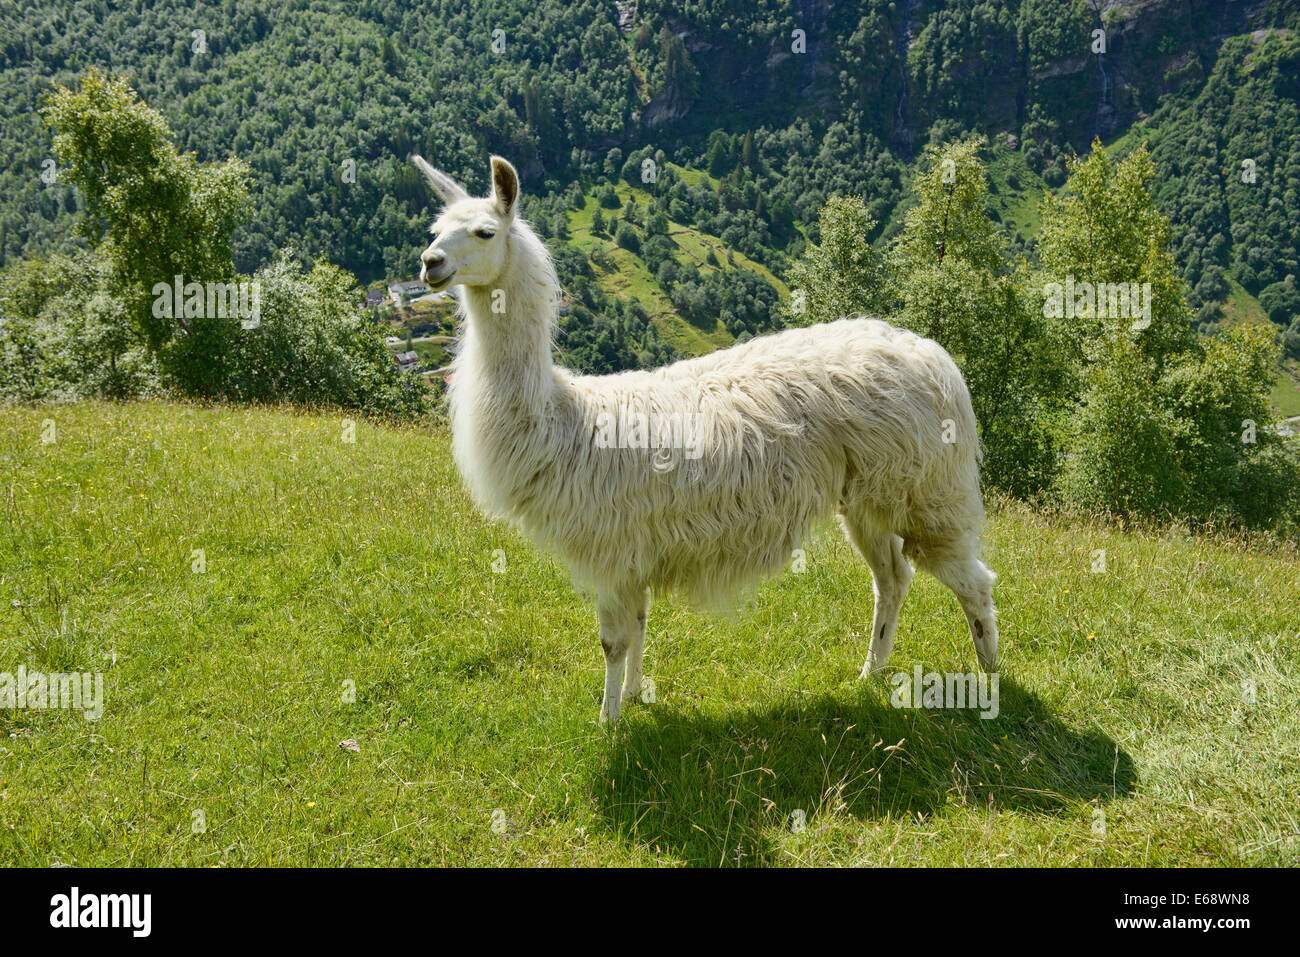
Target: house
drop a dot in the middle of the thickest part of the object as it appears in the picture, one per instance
(374, 297)
(406, 289)
(563, 306)
(626, 15)
(407, 361)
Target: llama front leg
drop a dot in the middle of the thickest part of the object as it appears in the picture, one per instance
(618, 632)
(972, 582)
(892, 575)
(632, 674)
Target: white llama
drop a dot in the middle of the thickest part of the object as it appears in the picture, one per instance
(853, 416)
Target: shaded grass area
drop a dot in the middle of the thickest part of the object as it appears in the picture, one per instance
(349, 591)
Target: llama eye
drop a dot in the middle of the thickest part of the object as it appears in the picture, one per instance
(485, 233)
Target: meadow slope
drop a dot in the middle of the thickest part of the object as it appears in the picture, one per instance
(1126, 733)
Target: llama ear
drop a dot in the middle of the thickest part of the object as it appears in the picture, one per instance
(505, 186)
(446, 187)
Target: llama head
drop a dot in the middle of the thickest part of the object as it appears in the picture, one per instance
(470, 236)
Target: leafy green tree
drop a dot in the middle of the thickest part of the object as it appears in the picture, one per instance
(627, 238)
(957, 284)
(1106, 229)
(748, 154)
(844, 275)
(717, 162)
(1167, 424)
(1122, 457)
(152, 212)
(1281, 300)
(312, 348)
(62, 336)
(1236, 468)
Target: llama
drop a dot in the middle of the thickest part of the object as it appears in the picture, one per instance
(854, 417)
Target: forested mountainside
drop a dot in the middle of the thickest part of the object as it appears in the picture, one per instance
(765, 109)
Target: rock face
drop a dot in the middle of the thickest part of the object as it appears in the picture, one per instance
(664, 109)
(626, 15)
(1151, 48)
(741, 72)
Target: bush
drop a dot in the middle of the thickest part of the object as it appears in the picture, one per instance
(312, 347)
(1281, 300)
(1122, 459)
(58, 342)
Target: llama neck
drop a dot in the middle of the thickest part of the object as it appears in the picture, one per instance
(508, 352)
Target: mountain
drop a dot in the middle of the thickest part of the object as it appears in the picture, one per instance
(782, 104)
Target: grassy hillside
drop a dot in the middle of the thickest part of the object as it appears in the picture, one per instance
(477, 690)
(1286, 391)
(1241, 306)
(624, 275)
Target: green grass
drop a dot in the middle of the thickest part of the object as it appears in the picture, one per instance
(1016, 191)
(477, 690)
(1241, 306)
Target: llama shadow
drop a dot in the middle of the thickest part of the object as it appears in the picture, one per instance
(717, 789)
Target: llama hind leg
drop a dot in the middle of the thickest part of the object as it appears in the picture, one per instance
(619, 631)
(632, 671)
(971, 581)
(891, 575)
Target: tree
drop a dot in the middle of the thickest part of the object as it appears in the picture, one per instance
(58, 341)
(717, 162)
(748, 155)
(957, 284)
(843, 276)
(1166, 424)
(153, 213)
(1106, 229)
(627, 238)
(679, 71)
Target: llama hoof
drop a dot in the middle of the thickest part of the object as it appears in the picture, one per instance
(871, 667)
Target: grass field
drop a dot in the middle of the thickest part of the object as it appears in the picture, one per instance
(1126, 733)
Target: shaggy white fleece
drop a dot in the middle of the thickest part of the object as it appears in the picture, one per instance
(706, 475)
